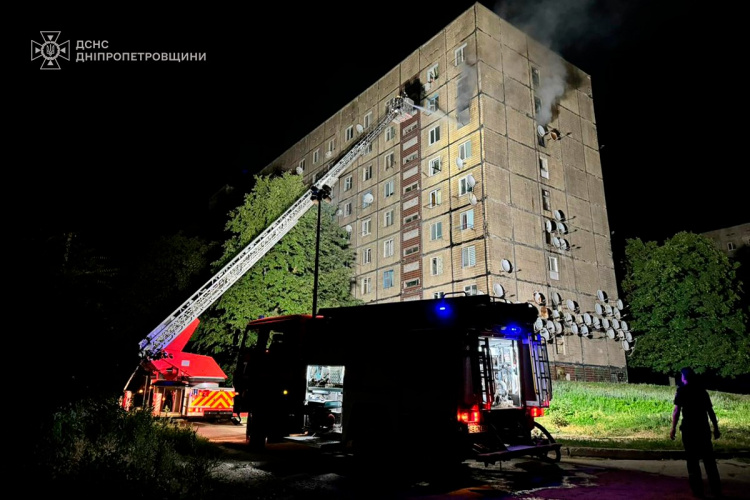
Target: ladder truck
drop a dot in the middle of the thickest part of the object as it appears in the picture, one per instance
(154, 350)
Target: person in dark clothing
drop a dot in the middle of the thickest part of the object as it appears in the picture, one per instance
(693, 401)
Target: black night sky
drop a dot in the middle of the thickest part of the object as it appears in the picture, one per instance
(127, 150)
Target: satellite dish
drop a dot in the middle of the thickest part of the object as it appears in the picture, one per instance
(558, 328)
(608, 309)
(539, 298)
(586, 319)
(549, 225)
(628, 336)
(555, 313)
(348, 228)
(595, 323)
(564, 244)
(472, 199)
(620, 305)
(556, 241)
(598, 308)
(471, 181)
(571, 304)
(541, 130)
(538, 324)
(339, 212)
(544, 333)
(601, 295)
(300, 170)
(559, 215)
(624, 326)
(615, 324)
(459, 162)
(625, 345)
(605, 323)
(616, 312)
(556, 299)
(568, 318)
(360, 128)
(498, 289)
(574, 328)
(585, 331)
(610, 333)
(507, 266)
(550, 325)
(553, 134)
(562, 228)
(619, 333)
(368, 198)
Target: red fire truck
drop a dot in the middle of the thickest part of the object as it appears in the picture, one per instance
(440, 381)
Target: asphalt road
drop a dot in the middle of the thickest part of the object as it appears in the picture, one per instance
(291, 470)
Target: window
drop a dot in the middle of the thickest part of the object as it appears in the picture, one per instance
(348, 183)
(366, 226)
(543, 170)
(411, 187)
(534, 77)
(366, 285)
(468, 256)
(411, 157)
(388, 248)
(367, 150)
(411, 128)
(316, 156)
(463, 186)
(348, 209)
(434, 135)
(432, 103)
(540, 140)
(388, 189)
(545, 200)
(368, 119)
(367, 199)
(331, 146)
(349, 133)
(434, 166)
(537, 106)
(390, 133)
(411, 218)
(436, 231)
(467, 219)
(390, 160)
(552, 267)
(438, 295)
(411, 250)
(388, 218)
(366, 255)
(463, 101)
(301, 165)
(435, 198)
(436, 266)
(464, 150)
(432, 73)
(730, 246)
(470, 290)
(460, 54)
(388, 278)
(367, 172)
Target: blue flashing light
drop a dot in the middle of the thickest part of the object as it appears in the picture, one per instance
(443, 311)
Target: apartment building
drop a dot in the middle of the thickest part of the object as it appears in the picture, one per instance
(493, 185)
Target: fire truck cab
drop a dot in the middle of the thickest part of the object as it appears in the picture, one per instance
(440, 381)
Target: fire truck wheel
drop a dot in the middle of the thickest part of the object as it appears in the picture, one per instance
(541, 436)
(236, 420)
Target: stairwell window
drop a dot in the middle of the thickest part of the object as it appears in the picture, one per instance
(468, 256)
(434, 135)
(388, 278)
(459, 55)
(436, 266)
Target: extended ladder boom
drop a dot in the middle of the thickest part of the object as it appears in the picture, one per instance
(153, 345)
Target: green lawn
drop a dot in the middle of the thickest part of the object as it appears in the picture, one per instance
(635, 416)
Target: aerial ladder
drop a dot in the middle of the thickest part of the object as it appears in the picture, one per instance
(398, 109)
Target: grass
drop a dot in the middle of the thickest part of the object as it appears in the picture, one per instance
(636, 416)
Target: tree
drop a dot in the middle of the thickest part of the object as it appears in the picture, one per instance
(281, 282)
(684, 299)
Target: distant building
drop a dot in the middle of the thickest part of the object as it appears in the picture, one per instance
(730, 239)
(494, 187)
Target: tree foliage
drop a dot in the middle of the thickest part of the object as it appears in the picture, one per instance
(684, 299)
(281, 282)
